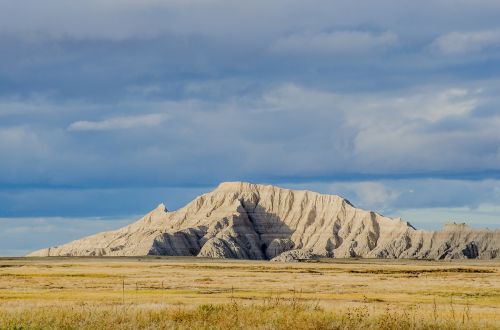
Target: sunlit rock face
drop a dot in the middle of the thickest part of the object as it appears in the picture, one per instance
(261, 222)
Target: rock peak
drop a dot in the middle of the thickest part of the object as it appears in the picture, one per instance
(241, 186)
(161, 207)
(453, 226)
(236, 185)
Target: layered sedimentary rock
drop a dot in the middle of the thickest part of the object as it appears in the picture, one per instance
(295, 255)
(250, 221)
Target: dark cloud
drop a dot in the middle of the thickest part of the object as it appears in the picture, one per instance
(286, 131)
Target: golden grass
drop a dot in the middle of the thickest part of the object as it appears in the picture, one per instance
(155, 293)
(285, 314)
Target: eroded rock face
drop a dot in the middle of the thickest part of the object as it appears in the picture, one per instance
(249, 221)
(278, 246)
(295, 256)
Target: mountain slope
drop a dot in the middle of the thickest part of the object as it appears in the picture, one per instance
(250, 221)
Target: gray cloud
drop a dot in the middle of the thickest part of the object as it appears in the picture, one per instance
(125, 122)
(298, 131)
(335, 43)
(460, 43)
(120, 19)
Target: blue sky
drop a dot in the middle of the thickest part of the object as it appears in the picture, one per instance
(108, 108)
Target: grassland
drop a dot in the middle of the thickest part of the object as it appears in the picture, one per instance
(156, 293)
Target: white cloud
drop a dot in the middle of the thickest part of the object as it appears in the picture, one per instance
(115, 123)
(374, 193)
(439, 105)
(431, 127)
(22, 140)
(290, 96)
(338, 42)
(430, 105)
(456, 43)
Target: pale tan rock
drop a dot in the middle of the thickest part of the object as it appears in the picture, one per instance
(250, 221)
(278, 246)
(295, 256)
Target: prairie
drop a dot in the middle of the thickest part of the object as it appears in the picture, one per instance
(182, 293)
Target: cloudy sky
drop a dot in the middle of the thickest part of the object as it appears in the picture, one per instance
(109, 107)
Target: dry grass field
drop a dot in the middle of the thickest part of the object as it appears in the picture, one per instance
(190, 293)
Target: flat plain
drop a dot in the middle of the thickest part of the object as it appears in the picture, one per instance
(169, 292)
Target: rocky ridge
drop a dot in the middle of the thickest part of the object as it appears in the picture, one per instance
(262, 222)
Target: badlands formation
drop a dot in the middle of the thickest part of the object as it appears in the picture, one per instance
(251, 221)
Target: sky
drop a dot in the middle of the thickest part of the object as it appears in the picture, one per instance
(108, 108)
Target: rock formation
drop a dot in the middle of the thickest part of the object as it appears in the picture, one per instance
(250, 221)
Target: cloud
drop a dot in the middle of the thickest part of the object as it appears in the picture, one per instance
(290, 97)
(132, 52)
(144, 89)
(429, 104)
(459, 43)
(450, 102)
(335, 43)
(24, 142)
(21, 107)
(249, 22)
(374, 193)
(301, 132)
(117, 123)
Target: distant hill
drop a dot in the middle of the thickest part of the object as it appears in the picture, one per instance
(252, 221)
